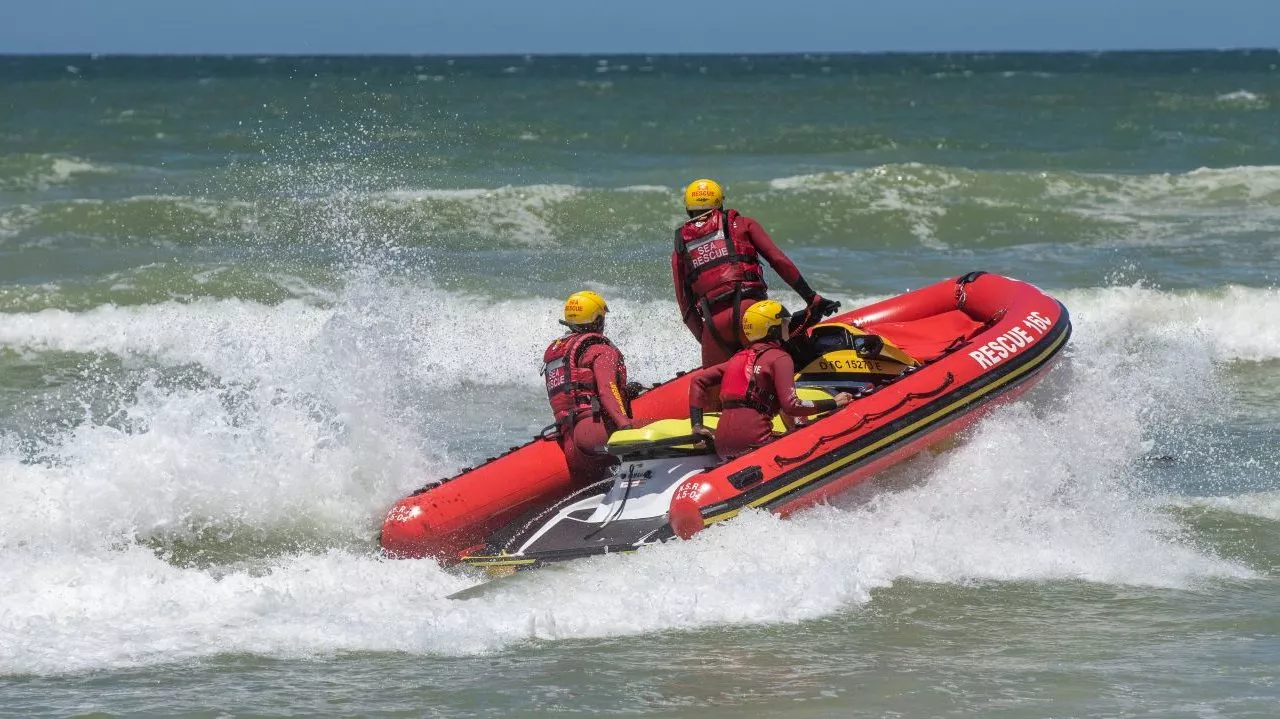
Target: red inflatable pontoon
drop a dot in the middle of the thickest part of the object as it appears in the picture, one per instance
(971, 342)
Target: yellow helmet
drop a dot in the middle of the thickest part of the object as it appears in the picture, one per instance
(583, 308)
(703, 195)
(761, 318)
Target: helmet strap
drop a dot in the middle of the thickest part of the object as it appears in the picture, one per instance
(596, 325)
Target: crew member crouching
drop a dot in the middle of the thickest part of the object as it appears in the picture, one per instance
(587, 387)
(755, 384)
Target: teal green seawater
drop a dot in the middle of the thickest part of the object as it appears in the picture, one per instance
(246, 303)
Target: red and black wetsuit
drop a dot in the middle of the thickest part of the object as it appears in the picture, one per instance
(586, 377)
(717, 277)
(755, 384)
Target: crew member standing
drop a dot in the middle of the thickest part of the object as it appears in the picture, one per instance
(587, 387)
(755, 384)
(717, 273)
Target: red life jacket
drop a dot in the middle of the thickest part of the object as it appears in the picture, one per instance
(570, 387)
(717, 266)
(741, 385)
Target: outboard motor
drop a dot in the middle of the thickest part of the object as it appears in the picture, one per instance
(838, 357)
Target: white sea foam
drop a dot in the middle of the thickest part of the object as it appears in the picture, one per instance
(1257, 504)
(177, 462)
(1243, 98)
(1252, 183)
(217, 210)
(245, 341)
(658, 189)
(40, 172)
(1203, 186)
(1224, 321)
(521, 214)
(15, 219)
(1155, 209)
(231, 338)
(101, 216)
(914, 191)
(464, 194)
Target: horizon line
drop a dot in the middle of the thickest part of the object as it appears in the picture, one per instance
(787, 53)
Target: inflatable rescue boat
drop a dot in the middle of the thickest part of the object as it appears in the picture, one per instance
(922, 366)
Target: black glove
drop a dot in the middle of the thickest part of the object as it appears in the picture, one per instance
(633, 390)
(823, 307)
(706, 434)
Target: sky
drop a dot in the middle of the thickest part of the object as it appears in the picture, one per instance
(633, 26)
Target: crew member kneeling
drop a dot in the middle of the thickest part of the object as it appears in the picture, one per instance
(586, 381)
(755, 384)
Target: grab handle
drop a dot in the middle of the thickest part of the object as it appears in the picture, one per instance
(630, 447)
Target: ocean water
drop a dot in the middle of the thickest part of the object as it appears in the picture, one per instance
(248, 303)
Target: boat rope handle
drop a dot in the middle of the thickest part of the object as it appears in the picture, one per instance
(961, 282)
(908, 397)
